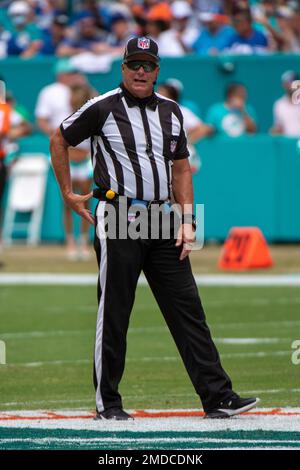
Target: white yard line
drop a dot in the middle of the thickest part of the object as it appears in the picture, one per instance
(87, 400)
(63, 333)
(59, 362)
(204, 280)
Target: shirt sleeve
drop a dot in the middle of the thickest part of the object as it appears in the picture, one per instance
(190, 119)
(82, 124)
(181, 147)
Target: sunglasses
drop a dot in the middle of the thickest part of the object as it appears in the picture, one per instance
(137, 64)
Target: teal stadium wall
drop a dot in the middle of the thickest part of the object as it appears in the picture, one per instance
(245, 181)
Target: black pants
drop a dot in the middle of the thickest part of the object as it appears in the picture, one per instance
(173, 285)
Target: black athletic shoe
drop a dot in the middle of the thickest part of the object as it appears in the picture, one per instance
(118, 414)
(231, 407)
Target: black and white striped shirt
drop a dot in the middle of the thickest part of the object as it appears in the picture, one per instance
(133, 142)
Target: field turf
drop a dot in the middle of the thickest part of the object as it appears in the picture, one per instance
(49, 335)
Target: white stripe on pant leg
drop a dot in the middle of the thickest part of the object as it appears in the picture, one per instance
(100, 233)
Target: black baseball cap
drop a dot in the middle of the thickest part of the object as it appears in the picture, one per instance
(142, 45)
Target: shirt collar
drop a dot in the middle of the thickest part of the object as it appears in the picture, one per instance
(149, 102)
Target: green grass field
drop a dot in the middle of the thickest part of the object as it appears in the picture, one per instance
(49, 336)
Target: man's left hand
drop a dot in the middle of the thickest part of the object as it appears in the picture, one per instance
(186, 237)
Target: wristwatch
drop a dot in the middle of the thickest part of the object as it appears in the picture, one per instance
(189, 219)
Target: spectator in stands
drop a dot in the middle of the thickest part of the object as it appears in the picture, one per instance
(25, 39)
(96, 10)
(266, 20)
(54, 101)
(20, 125)
(81, 176)
(289, 21)
(190, 104)
(54, 104)
(183, 23)
(13, 125)
(86, 37)
(234, 117)
(208, 6)
(286, 113)
(141, 12)
(215, 35)
(194, 127)
(121, 31)
(47, 10)
(159, 28)
(55, 36)
(246, 39)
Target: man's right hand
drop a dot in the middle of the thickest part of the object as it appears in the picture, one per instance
(77, 203)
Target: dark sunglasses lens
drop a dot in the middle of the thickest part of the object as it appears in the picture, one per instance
(136, 65)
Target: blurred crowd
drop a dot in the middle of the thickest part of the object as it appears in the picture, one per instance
(72, 29)
(67, 28)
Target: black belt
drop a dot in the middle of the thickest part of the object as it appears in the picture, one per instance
(110, 196)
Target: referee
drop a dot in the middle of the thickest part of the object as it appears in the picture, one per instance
(139, 154)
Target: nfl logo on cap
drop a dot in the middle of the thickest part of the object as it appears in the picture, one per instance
(143, 43)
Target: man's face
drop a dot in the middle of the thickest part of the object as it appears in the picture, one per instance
(87, 27)
(120, 28)
(241, 24)
(238, 99)
(19, 20)
(72, 79)
(140, 82)
(287, 86)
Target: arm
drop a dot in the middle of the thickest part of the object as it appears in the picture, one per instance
(183, 193)
(276, 130)
(249, 123)
(22, 129)
(60, 161)
(237, 103)
(199, 132)
(277, 36)
(43, 124)
(32, 49)
(68, 51)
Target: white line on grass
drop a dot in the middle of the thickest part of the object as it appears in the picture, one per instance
(256, 354)
(163, 329)
(138, 397)
(205, 280)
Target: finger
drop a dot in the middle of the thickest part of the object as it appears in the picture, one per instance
(179, 237)
(183, 254)
(179, 241)
(186, 250)
(88, 216)
(86, 197)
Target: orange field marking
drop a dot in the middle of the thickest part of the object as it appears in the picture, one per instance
(143, 414)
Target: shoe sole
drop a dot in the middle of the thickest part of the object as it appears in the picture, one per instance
(101, 418)
(229, 413)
